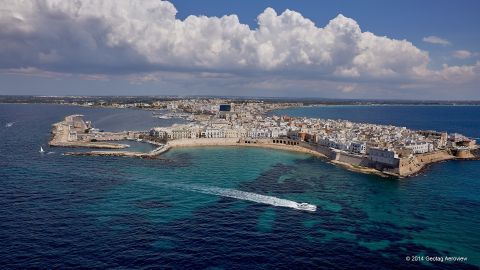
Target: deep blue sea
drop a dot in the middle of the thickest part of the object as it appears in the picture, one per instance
(60, 212)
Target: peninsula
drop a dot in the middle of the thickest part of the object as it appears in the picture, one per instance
(368, 148)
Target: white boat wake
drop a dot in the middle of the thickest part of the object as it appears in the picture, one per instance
(249, 196)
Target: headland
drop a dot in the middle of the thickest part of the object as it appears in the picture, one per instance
(388, 151)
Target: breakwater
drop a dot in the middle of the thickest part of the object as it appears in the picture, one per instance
(152, 154)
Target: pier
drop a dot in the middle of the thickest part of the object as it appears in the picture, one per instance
(152, 154)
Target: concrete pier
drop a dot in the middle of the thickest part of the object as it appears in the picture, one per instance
(156, 152)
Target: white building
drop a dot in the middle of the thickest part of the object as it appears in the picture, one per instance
(214, 133)
(159, 133)
(231, 133)
(181, 133)
(420, 147)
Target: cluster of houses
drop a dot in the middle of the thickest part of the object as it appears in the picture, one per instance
(382, 143)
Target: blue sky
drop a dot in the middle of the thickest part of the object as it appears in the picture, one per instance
(456, 21)
(431, 49)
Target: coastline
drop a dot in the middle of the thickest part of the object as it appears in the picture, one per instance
(236, 142)
(231, 142)
(73, 131)
(298, 149)
(207, 142)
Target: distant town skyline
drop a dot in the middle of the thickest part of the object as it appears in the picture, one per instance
(428, 50)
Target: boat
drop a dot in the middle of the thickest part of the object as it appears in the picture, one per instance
(306, 207)
(41, 150)
(139, 140)
(162, 116)
(9, 124)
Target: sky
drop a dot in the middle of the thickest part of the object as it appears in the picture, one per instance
(428, 50)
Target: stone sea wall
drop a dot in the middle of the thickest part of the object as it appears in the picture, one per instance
(409, 166)
(353, 159)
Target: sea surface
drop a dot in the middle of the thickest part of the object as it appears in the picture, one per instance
(464, 119)
(177, 211)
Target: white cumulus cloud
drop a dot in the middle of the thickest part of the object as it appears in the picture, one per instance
(436, 40)
(462, 54)
(139, 39)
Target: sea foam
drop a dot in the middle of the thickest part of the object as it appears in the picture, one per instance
(240, 195)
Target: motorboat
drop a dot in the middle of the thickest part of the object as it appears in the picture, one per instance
(9, 124)
(306, 207)
(162, 116)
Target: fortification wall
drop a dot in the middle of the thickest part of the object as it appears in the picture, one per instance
(329, 153)
(353, 160)
(466, 153)
(409, 166)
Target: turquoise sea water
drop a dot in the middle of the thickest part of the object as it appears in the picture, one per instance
(96, 212)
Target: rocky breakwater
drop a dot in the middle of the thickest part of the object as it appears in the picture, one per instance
(152, 154)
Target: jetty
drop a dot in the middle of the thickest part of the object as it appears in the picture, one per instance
(152, 154)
